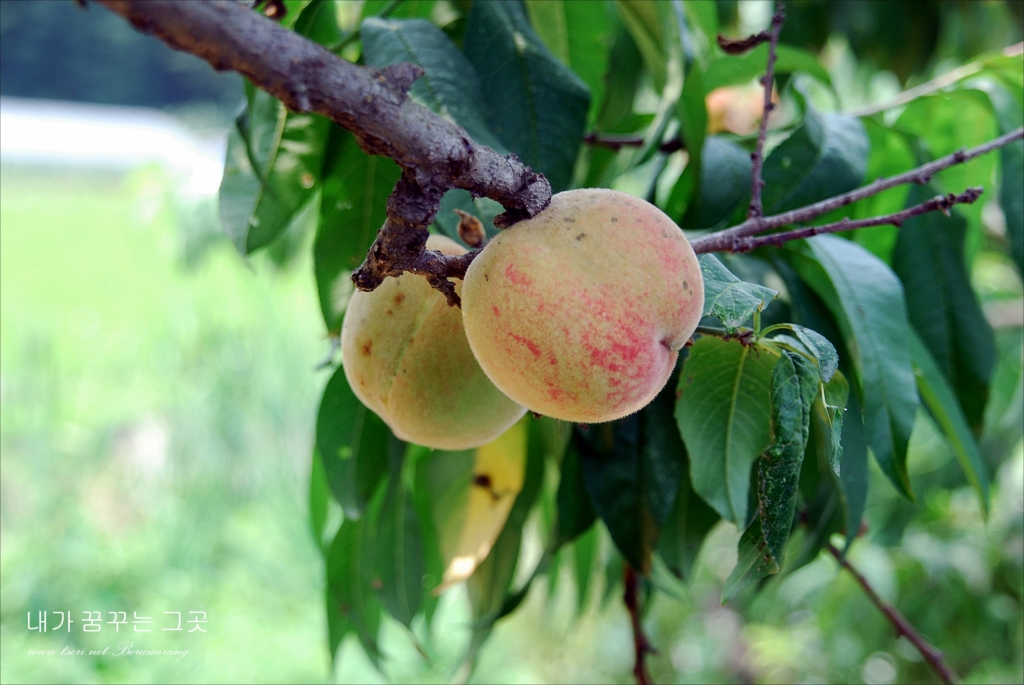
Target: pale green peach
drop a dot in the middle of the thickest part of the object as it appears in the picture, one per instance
(579, 313)
(406, 357)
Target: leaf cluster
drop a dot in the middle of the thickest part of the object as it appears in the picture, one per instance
(811, 357)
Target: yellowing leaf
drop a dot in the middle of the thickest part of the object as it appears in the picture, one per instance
(497, 480)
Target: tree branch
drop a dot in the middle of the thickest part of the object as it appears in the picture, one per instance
(642, 646)
(434, 154)
(940, 202)
(755, 211)
(730, 239)
(932, 656)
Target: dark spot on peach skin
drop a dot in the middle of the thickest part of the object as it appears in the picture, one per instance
(495, 309)
(581, 236)
(570, 219)
(615, 219)
(367, 347)
(399, 297)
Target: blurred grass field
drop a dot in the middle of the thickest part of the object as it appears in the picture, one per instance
(156, 431)
(156, 422)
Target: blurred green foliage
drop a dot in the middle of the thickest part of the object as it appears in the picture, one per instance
(156, 409)
(56, 50)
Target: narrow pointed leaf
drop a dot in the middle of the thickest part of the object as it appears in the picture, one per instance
(632, 468)
(753, 562)
(942, 306)
(352, 209)
(867, 300)
(400, 565)
(575, 511)
(349, 589)
(579, 34)
(353, 443)
(938, 397)
(489, 584)
(684, 530)
(535, 105)
(1008, 103)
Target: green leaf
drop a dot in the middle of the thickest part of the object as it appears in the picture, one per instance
(424, 501)
(632, 470)
(623, 79)
(352, 603)
(405, 9)
(580, 36)
(890, 155)
(830, 407)
(318, 22)
(795, 382)
(575, 510)
(644, 21)
(825, 157)
(818, 346)
(353, 443)
(693, 121)
(449, 85)
(866, 298)
(536, 106)
(938, 396)
(949, 121)
(753, 562)
(738, 70)
(352, 209)
(854, 476)
(729, 299)
(687, 525)
(584, 551)
(1009, 110)
(489, 583)
(319, 495)
(724, 184)
(272, 165)
(723, 414)
(400, 565)
(929, 259)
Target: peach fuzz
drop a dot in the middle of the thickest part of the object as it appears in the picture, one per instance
(579, 313)
(406, 357)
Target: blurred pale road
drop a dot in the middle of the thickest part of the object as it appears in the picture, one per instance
(74, 134)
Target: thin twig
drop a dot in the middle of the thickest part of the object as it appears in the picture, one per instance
(937, 83)
(757, 156)
(932, 656)
(940, 203)
(641, 645)
(727, 240)
(616, 143)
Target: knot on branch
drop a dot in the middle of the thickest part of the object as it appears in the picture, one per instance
(529, 195)
(399, 77)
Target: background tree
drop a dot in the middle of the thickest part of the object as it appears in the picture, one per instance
(881, 322)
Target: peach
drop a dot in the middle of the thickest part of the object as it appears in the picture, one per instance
(579, 313)
(406, 357)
